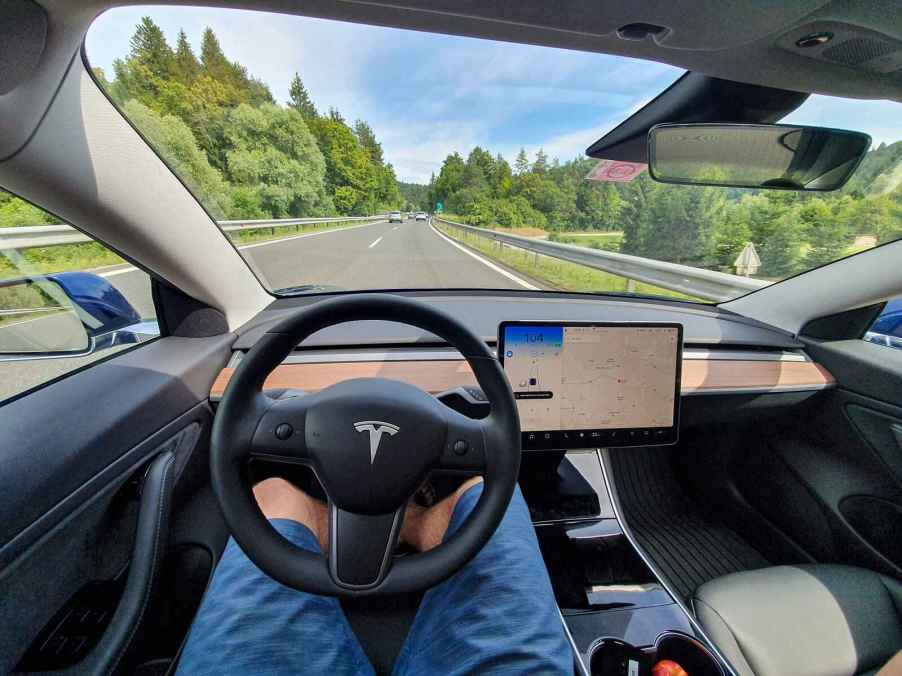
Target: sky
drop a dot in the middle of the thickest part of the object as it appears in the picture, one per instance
(428, 95)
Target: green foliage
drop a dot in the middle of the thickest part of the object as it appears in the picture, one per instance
(880, 172)
(242, 155)
(15, 213)
(300, 100)
(275, 162)
(415, 196)
(176, 144)
(699, 226)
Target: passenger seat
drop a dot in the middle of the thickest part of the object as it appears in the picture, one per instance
(807, 620)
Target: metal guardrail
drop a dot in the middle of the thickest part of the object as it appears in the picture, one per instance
(31, 236)
(697, 282)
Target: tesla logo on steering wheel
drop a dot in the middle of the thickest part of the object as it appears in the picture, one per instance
(376, 429)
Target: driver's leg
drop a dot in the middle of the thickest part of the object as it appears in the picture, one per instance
(250, 624)
(497, 614)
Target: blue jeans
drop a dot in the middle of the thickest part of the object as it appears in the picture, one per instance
(497, 615)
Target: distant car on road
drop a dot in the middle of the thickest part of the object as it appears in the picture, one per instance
(395, 217)
(421, 216)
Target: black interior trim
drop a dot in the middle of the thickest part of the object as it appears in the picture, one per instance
(843, 325)
(178, 314)
(695, 98)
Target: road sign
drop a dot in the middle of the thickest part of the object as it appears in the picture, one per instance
(439, 207)
(617, 172)
(747, 262)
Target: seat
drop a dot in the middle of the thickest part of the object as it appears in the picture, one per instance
(807, 620)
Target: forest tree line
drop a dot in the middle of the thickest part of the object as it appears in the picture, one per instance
(702, 227)
(242, 153)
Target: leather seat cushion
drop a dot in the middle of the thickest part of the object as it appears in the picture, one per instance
(803, 620)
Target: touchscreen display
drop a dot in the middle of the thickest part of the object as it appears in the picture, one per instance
(585, 385)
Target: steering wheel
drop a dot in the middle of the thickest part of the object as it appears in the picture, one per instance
(371, 443)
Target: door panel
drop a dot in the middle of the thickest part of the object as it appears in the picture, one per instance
(65, 440)
(75, 455)
(837, 469)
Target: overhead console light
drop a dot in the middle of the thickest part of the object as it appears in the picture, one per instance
(814, 39)
(637, 32)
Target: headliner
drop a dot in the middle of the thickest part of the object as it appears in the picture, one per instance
(748, 41)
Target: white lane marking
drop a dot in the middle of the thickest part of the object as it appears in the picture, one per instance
(309, 234)
(377, 240)
(113, 273)
(131, 268)
(500, 271)
(394, 228)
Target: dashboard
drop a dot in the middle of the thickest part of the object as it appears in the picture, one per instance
(708, 352)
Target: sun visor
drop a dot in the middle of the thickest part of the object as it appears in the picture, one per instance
(695, 98)
(23, 35)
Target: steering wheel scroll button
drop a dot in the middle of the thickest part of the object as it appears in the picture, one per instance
(284, 431)
(461, 447)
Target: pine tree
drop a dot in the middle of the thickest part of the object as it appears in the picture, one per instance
(335, 116)
(540, 166)
(367, 138)
(521, 164)
(187, 67)
(214, 61)
(150, 49)
(299, 99)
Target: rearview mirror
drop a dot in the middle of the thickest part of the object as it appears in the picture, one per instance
(774, 156)
(37, 317)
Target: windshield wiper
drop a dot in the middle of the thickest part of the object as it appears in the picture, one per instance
(306, 288)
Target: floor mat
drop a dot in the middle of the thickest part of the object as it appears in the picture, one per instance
(689, 545)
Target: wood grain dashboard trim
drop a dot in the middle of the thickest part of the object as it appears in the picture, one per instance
(700, 376)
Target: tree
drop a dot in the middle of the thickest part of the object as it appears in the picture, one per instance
(274, 160)
(521, 164)
(540, 166)
(449, 180)
(299, 99)
(335, 116)
(828, 237)
(348, 166)
(214, 61)
(176, 144)
(186, 66)
(501, 178)
(148, 47)
(367, 139)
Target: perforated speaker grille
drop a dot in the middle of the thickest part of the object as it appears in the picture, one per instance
(856, 51)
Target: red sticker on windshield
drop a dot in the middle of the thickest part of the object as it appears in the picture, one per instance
(618, 172)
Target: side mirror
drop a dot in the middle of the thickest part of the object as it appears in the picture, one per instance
(775, 156)
(66, 314)
(37, 318)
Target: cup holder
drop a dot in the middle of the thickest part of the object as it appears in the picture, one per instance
(613, 657)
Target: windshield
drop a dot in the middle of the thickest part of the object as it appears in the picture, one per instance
(341, 156)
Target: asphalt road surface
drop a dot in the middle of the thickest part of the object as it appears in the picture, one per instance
(378, 256)
(372, 256)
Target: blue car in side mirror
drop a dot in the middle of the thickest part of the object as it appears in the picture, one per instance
(887, 328)
(66, 314)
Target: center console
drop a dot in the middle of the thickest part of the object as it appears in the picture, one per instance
(621, 618)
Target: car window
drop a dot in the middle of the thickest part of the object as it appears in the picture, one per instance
(887, 328)
(65, 300)
(324, 142)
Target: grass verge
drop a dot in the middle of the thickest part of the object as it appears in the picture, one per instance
(558, 274)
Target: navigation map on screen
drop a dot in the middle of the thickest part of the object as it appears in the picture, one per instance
(592, 377)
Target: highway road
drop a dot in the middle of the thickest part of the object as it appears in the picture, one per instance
(378, 255)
